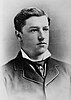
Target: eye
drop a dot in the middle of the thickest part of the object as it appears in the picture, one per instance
(45, 28)
(33, 30)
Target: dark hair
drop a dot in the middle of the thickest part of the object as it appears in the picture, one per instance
(20, 18)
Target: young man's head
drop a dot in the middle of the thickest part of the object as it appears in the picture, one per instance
(32, 30)
(26, 13)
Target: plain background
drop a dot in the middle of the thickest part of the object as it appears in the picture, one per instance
(60, 30)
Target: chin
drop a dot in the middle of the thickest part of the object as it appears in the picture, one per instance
(41, 51)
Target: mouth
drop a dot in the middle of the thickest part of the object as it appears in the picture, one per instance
(41, 43)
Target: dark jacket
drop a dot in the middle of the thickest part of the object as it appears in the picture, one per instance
(24, 83)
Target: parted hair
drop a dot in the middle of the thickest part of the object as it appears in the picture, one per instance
(24, 14)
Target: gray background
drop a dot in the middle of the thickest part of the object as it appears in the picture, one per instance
(60, 30)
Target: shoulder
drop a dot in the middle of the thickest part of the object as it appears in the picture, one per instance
(13, 66)
(63, 66)
(7, 70)
(8, 67)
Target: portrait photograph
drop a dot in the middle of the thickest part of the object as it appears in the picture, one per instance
(35, 50)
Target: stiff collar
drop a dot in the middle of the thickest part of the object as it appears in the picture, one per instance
(29, 72)
(45, 55)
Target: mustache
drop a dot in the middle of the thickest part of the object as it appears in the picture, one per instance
(41, 43)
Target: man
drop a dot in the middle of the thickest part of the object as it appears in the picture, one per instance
(34, 74)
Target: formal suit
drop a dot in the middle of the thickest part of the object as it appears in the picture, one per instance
(23, 80)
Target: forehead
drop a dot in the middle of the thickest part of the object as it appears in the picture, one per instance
(37, 21)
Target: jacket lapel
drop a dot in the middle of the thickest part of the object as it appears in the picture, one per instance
(30, 73)
(52, 71)
(27, 70)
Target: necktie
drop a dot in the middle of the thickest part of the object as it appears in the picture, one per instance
(42, 68)
(40, 65)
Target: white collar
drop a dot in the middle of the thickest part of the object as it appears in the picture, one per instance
(45, 55)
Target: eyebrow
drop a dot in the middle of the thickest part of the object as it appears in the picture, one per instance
(36, 27)
(33, 27)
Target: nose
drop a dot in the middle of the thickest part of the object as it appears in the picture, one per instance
(41, 35)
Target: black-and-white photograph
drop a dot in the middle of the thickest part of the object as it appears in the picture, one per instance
(35, 50)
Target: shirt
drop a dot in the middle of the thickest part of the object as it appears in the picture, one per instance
(45, 55)
(41, 69)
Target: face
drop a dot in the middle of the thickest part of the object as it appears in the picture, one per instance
(35, 37)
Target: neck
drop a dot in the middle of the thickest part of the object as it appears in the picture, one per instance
(34, 58)
(37, 57)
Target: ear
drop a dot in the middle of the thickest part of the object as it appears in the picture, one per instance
(18, 35)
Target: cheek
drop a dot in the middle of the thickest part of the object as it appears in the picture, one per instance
(47, 36)
(28, 41)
